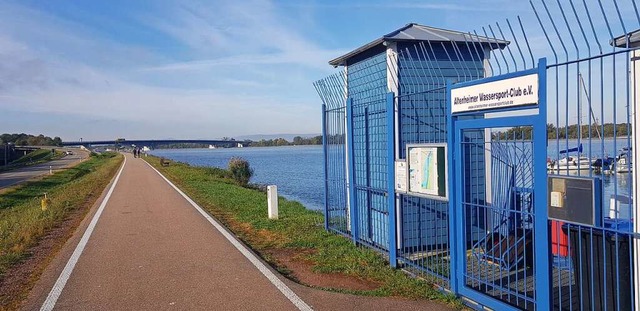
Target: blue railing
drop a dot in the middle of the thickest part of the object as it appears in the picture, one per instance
(590, 94)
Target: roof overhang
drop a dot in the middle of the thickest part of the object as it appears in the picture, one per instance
(417, 33)
(631, 40)
(341, 60)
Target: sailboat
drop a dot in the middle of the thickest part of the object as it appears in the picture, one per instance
(608, 165)
(578, 162)
(570, 163)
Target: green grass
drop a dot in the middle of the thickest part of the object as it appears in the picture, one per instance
(38, 155)
(33, 158)
(23, 223)
(244, 211)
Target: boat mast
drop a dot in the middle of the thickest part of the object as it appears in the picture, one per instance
(593, 116)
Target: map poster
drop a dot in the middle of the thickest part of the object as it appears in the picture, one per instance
(427, 170)
(423, 170)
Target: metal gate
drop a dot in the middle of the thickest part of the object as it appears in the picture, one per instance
(493, 243)
(358, 127)
(498, 160)
(371, 122)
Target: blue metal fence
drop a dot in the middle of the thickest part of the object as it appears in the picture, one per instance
(499, 181)
(424, 234)
(333, 93)
(589, 134)
(491, 247)
(423, 70)
(367, 91)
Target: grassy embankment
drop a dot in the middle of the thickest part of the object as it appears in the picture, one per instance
(33, 158)
(298, 230)
(23, 223)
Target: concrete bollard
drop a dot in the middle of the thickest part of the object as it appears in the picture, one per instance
(272, 201)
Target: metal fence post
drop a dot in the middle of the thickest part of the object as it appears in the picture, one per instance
(352, 173)
(453, 262)
(326, 164)
(391, 195)
(541, 223)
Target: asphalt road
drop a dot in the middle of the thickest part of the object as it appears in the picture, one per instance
(147, 247)
(20, 175)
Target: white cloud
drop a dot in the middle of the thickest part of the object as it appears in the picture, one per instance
(223, 85)
(316, 59)
(232, 33)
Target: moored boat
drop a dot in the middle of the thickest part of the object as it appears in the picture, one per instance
(623, 161)
(570, 163)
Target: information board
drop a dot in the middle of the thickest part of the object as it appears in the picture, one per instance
(517, 91)
(427, 170)
(575, 199)
(401, 176)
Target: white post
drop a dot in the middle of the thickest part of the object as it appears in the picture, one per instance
(272, 201)
(487, 138)
(393, 86)
(346, 145)
(50, 170)
(488, 174)
(635, 196)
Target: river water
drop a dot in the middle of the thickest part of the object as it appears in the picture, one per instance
(298, 170)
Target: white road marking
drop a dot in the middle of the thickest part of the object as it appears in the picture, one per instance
(283, 288)
(51, 300)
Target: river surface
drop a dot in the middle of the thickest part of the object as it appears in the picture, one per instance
(298, 170)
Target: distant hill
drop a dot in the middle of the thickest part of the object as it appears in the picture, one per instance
(288, 137)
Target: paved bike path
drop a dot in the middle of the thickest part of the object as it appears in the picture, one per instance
(152, 250)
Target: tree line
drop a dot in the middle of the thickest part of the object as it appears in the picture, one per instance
(23, 139)
(603, 130)
(298, 140)
(606, 130)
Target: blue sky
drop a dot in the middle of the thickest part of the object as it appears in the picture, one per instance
(194, 69)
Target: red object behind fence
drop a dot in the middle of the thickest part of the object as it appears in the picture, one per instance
(559, 239)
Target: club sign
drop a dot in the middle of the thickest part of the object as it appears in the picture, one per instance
(517, 91)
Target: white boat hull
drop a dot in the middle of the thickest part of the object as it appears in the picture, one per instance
(571, 164)
(623, 169)
(560, 169)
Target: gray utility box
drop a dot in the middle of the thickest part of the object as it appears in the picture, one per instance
(575, 199)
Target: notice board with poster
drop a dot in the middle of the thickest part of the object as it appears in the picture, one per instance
(428, 170)
(401, 176)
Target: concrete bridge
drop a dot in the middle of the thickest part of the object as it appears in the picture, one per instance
(153, 143)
